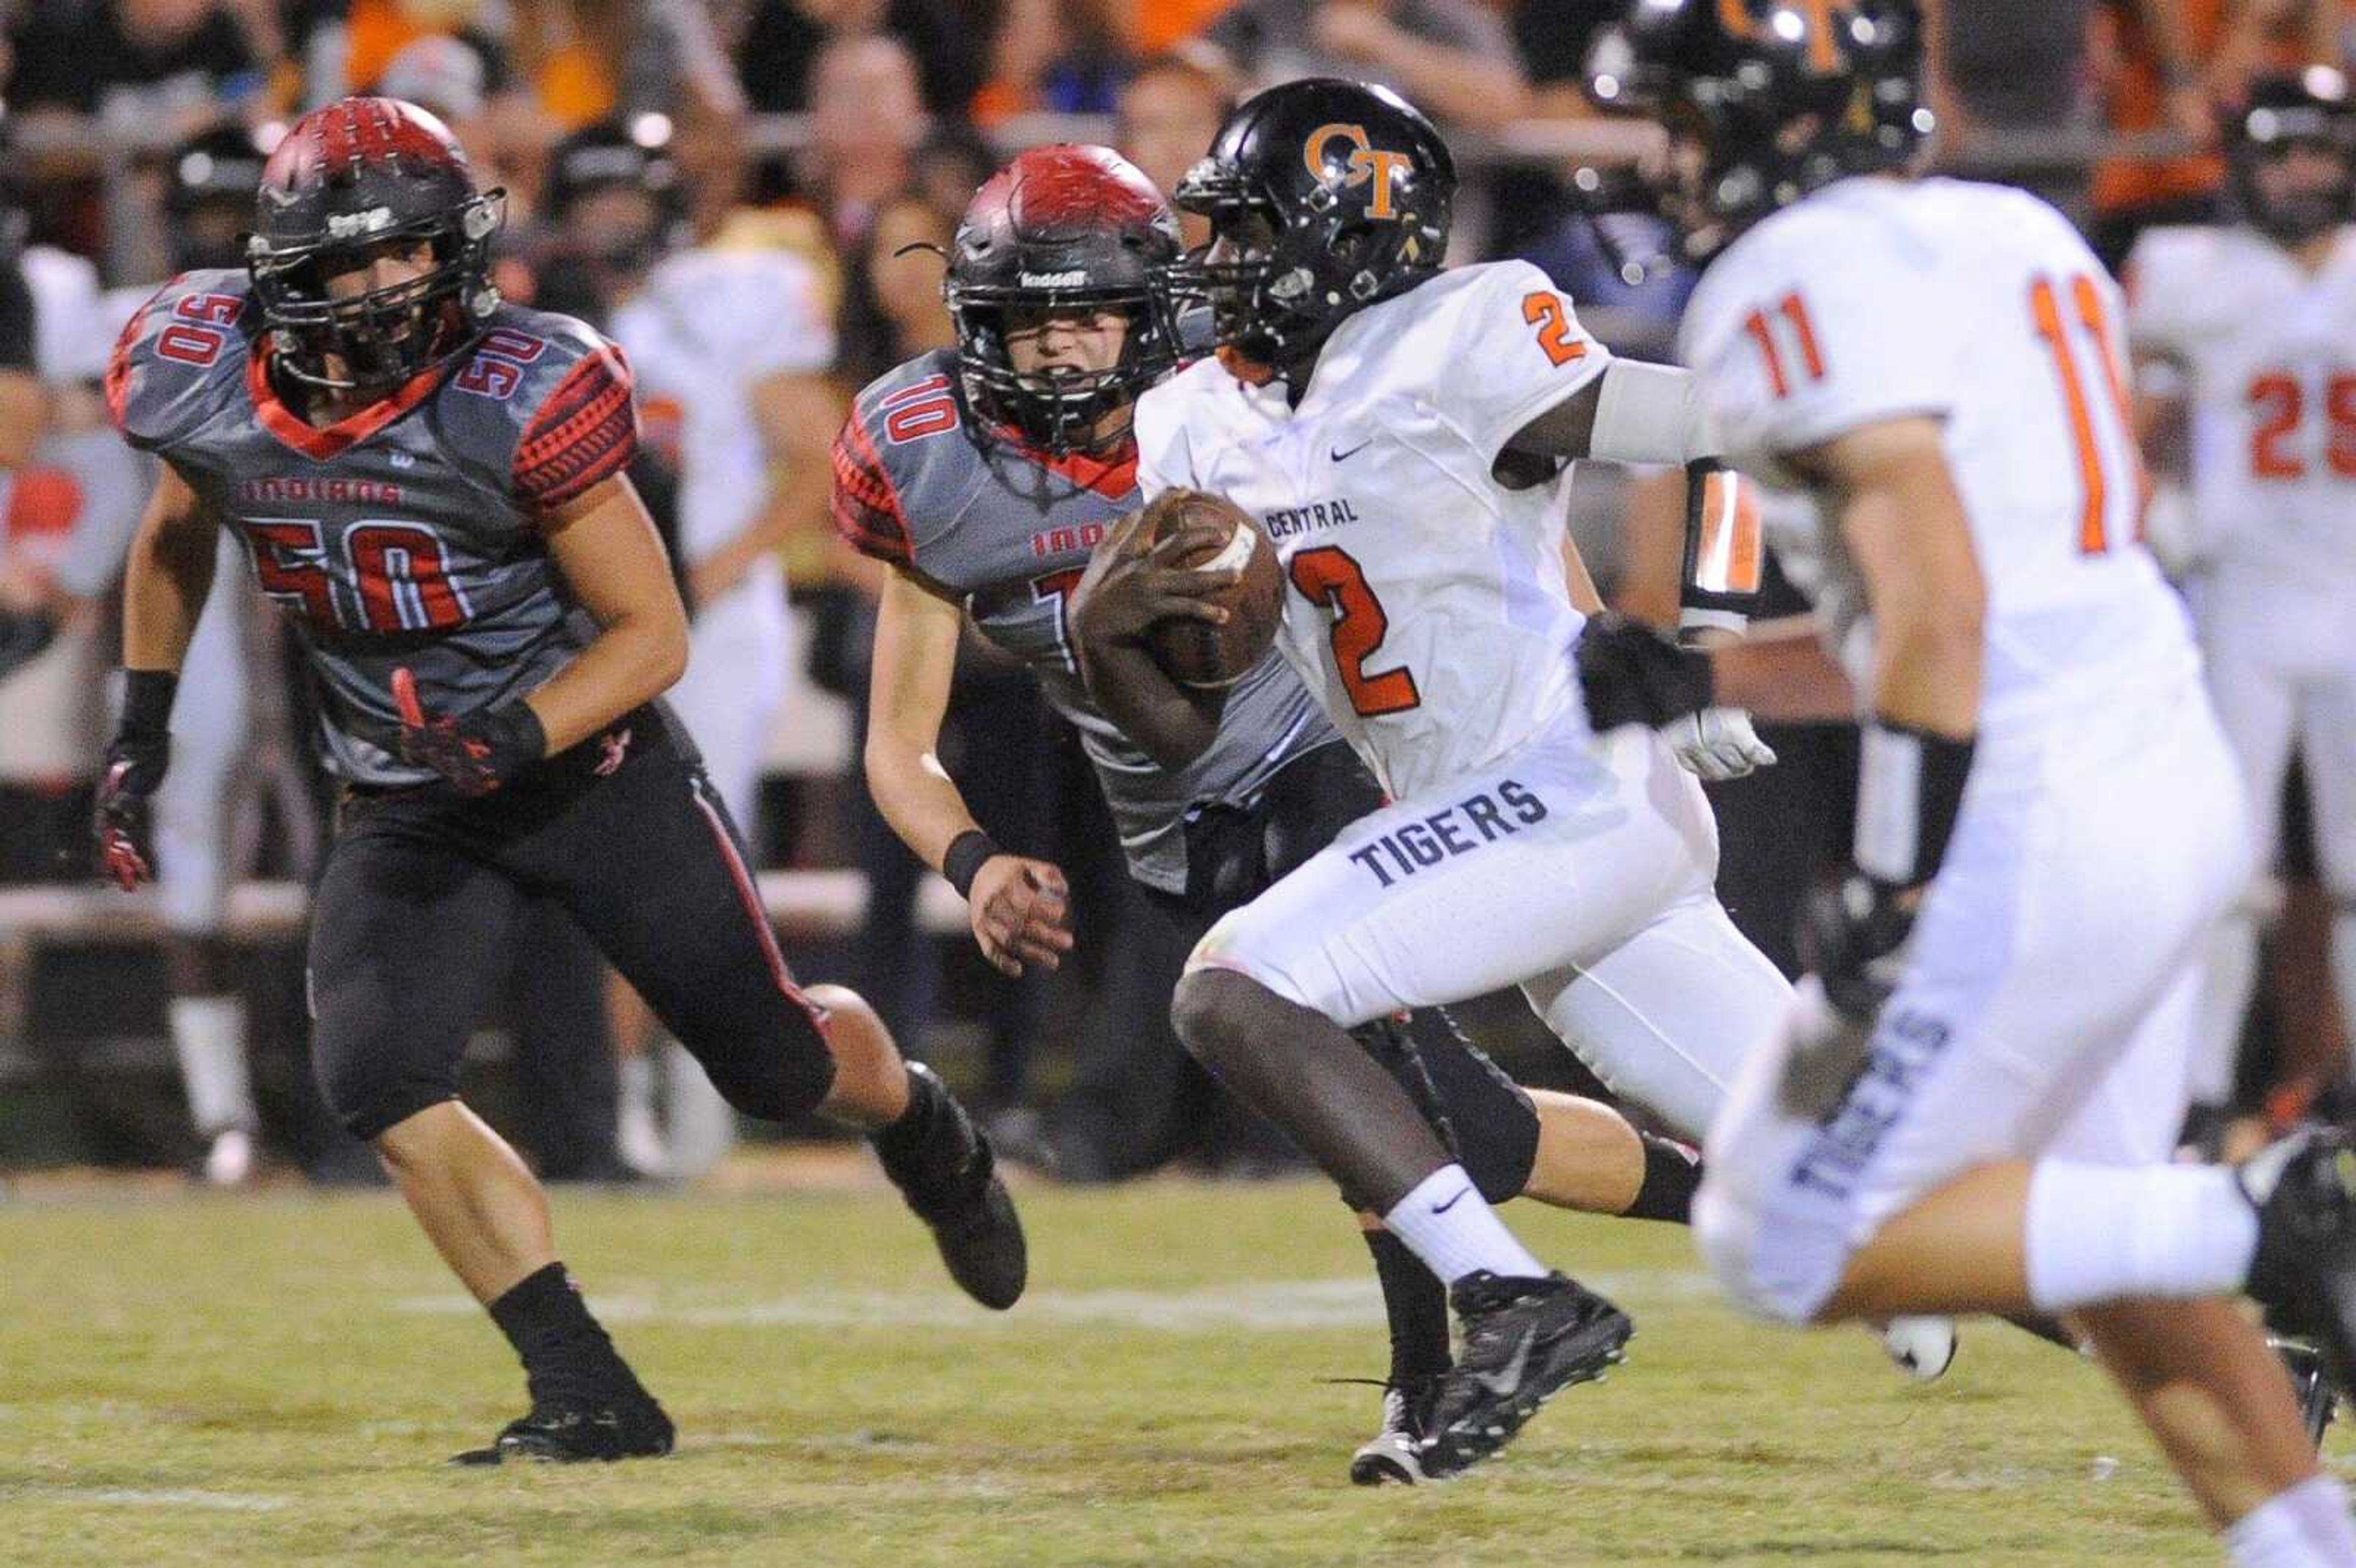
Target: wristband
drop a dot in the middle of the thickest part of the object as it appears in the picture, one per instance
(1725, 554)
(965, 857)
(147, 703)
(1910, 790)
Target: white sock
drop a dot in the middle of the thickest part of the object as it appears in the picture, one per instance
(1447, 1223)
(2101, 1233)
(2305, 1526)
(208, 1038)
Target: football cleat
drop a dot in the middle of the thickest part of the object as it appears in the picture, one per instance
(1392, 1456)
(2311, 1382)
(229, 1158)
(2304, 1189)
(1525, 1340)
(569, 1434)
(1923, 1348)
(952, 1184)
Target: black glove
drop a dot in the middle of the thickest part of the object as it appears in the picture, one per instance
(135, 763)
(476, 753)
(1633, 674)
(1849, 934)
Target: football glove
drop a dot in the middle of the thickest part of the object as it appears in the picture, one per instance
(476, 753)
(1630, 674)
(135, 763)
(1851, 936)
(1718, 743)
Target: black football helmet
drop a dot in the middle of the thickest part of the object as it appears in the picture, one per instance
(1782, 96)
(348, 182)
(1324, 197)
(208, 185)
(1061, 227)
(633, 154)
(2310, 109)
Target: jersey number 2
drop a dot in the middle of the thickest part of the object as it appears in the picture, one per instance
(1329, 578)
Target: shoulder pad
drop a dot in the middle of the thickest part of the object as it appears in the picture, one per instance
(554, 394)
(902, 440)
(181, 357)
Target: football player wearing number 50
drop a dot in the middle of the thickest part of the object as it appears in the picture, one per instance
(429, 482)
(1975, 1107)
(1406, 435)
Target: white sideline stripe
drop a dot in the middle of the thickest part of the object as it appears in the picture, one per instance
(134, 1496)
(1278, 1306)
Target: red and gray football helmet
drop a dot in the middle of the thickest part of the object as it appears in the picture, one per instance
(348, 181)
(1061, 227)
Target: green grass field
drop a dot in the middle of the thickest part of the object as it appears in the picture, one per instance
(276, 1380)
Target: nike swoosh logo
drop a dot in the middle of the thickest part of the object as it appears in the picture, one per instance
(1504, 1381)
(1444, 1208)
(1345, 456)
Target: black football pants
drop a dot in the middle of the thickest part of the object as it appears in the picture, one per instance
(410, 932)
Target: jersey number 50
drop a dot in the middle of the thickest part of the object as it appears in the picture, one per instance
(396, 577)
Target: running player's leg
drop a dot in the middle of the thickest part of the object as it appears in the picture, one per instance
(2257, 705)
(206, 1013)
(735, 679)
(2328, 741)
(408, 938)
(652, 868)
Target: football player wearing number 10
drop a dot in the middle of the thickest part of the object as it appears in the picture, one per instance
(1405, 437)
(429, 482)
(1974, 1106)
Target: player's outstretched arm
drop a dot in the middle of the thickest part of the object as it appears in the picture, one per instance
(608, 550)
(1130, 584)
(1019, 908)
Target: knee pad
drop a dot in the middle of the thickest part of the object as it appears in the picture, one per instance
(370, 1092)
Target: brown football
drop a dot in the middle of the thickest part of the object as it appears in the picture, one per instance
(1196, 653)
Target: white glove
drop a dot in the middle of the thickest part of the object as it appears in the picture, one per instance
(1717, 744)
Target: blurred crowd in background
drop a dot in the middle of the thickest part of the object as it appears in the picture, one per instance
(633, 135)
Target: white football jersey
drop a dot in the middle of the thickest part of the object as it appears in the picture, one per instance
(1877, 299)
(707, 327)
(2268, 351)
(1429, 611)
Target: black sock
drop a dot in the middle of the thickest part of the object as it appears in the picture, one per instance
(564, 1350)
(902, 1144)
(1417, 1303)
(1672, 1172)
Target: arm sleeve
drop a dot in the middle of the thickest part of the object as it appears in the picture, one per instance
(584, 434)
(867, 505)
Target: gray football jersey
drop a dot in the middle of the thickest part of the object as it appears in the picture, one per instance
(406, 534)
(1007, 530)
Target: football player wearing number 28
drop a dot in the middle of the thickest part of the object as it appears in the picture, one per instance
(429, 482)
(1405, 437)
(1974, 1106)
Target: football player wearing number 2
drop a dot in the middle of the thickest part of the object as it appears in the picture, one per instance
(429, 482)
(1405, 436)
(1974, 1106)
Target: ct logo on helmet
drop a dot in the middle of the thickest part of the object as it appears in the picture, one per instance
(1367, 162)
(1789, 20)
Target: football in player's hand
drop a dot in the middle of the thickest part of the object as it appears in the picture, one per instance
(1196, 653)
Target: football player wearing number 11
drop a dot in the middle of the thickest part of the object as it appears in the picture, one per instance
(1972, 1108)
(429, 482)
(1405, 437)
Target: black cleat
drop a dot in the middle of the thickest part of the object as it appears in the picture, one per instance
(2304, 1189)
(1393, 1456)
(951, 1181)
(2311, 1383)
(571, 1433)
(1525, 1340)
